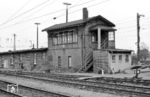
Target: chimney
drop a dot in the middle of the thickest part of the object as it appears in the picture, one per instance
(85, 13)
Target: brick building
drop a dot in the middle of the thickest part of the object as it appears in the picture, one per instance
(86, 45)
(27, 60)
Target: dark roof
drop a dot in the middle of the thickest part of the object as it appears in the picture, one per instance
(77, 23)
(118, 50)
(24, 51)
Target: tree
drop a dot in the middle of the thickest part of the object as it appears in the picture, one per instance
(144, 54)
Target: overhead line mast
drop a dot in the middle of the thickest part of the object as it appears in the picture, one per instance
(138, 36)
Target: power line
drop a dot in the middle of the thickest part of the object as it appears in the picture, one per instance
(15, 13)
(87, 7)
(47, 4)
(27, 11)
(51, 13)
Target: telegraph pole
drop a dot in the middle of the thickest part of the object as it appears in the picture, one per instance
(138, 35)
(67, 10)
(37, 33)
(14, 42)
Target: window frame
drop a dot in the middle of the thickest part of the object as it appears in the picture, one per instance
(120, 58)
(126, 58)
(35, 59)
(113, 58)
(111, 36)
(69, 65)
(74, 36)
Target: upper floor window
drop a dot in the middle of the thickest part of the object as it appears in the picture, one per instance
(59, 38)
(94, 36)
(75, 37)
(70, 36)
(111, 36)
(65, 37)
(55, 40)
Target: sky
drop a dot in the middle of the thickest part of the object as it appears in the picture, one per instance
(19, 17)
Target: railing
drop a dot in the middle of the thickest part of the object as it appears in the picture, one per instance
(104, 43)
(87, 63)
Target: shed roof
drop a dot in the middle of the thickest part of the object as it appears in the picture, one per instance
(78, 23)
(119, 50)
(24, 51)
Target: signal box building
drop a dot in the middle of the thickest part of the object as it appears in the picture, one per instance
(86, 45)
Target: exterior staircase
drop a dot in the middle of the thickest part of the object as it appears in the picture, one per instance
(104, 44)
(88, 63)
(88, 58)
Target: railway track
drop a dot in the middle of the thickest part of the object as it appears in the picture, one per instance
(26, 91)
(5, 93)
(122, 89)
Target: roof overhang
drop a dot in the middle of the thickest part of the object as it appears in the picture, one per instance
(79, 23)
(115, 51)
(103, 28)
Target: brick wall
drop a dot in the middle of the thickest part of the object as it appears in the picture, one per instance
(23, 60)
(101, 61)
(64, 51)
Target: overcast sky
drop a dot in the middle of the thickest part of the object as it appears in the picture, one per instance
(18, 17)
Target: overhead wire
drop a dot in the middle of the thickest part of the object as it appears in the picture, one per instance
(87, 7)
(27, 11)
(52, 13)
(13, 15)
(37, 11)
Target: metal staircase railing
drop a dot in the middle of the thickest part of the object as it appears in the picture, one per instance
(104, 43)
(88, 62)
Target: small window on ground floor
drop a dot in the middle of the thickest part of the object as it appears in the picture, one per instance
(35, 60)
(59, 61)
(120, 58)
(113, 58)
(12, 60)
(69, 62)
(127, 58)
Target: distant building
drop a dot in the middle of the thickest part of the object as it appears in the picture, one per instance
(27, 60)
(86, 45)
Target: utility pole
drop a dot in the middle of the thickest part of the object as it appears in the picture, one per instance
(138, 35)
(14, 42)
(67, 10)
(37, 33)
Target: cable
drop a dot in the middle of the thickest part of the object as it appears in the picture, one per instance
(42, 8)
(51, 14)
(87, 7)
(26, 11)
(15, 13)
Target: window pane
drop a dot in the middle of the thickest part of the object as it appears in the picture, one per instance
(113, 58)
(34, 59)
(75, 38)
(120, 57)
(127, 58)
(70, 37)
(59, 39)
(111, 36)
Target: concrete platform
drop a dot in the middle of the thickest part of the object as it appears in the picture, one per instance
(55, 88)
(129, 75)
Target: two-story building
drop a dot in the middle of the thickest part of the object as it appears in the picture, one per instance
(86, 45)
